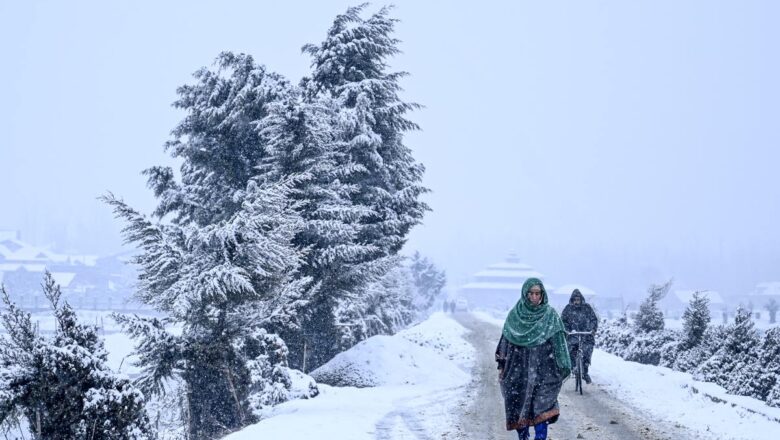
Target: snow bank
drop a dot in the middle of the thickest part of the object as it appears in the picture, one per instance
(393, 360)
(676, 397)
(416, 384)
(444, 336)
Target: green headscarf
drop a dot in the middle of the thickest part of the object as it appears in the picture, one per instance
(528, 325)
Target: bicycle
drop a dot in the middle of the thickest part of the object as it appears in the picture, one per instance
(578, 368)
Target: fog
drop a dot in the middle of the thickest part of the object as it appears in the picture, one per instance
(607, 143)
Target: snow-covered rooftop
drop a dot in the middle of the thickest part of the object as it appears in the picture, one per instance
(567, 289)
(771, 288)
(14, 250)
(510, 266)
(685, 296)
(509, 274)
(63, 278)
(498, 286)
(13, 267)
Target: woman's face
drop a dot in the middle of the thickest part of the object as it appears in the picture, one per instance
(535, 295)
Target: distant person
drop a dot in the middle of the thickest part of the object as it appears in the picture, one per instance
(579, 316)
(452, 306)
(533, 360)
(445, 306)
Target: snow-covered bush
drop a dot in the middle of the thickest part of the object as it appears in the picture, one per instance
(271, 381)
(690, 359)
(615, 337)
(696, 319)
(738, 349)
(735, 356)
(649, 317)
(61, 384)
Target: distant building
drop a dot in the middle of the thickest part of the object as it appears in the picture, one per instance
(762, 295)
(673, 305)
(87, 281)
(499, 286)
(560, 296)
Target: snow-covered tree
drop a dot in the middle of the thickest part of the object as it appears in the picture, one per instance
(772, 307)
(223, 283)
(696, 319)
(384, 308)
(350, 65)
(769, 359)
(350, 70)
(649, 317)
(61, 384)
(218, 141)
(427, 279)
(304, 148)
(758, 373)
(738, 349)
(289, 209)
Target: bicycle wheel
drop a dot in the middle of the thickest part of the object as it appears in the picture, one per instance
(580, 371)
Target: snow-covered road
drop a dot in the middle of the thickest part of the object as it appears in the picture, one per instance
(438, 381)
(594, 415)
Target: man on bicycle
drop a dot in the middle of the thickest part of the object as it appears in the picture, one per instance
(580, 316)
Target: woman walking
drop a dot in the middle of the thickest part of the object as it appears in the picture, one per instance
(533, 360)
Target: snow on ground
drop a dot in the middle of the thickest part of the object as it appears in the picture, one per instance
(119, 347)
(675, 397)
(444, 336)
(421, 376)
(491, 316)
(388, 360)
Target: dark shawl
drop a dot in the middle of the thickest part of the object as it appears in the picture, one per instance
(580, 317)
(530, 373)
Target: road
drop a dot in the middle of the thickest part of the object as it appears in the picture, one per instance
(595, 415)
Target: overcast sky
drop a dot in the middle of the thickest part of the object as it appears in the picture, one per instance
(610, 143)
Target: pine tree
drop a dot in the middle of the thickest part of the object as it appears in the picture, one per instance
(223, 283)
(303, 147)
(427, 279)
(769, 379)
(772, 307)
(759, 372)
(350, 70)
(218, 140)
(61, 384)
(737, 351)
(696, 319)
(351, 66)
(650, 317)
(384, 308)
